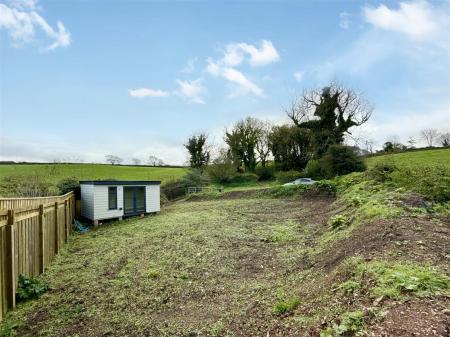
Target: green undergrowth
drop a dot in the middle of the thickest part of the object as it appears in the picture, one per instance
(396, 280)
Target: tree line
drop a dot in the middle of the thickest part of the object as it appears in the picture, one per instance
(313, 139)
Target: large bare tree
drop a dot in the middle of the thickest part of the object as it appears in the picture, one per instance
(329, 113)
(429, 135)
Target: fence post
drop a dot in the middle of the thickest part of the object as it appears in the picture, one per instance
(41, 239)
(66, 219)
(10, 262)
(56, 229)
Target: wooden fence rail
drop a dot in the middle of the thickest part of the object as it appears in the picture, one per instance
(31, 234)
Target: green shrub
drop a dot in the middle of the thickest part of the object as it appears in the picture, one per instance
(265, 173)
(287, 176)
(326, 187)
(349, 287)
(221, 173)
(67, 185)
(337, 222)
(350, 322)
(195, 178)
(29, 288)
(313, 169)
(242, 178)
(340, 160)
(287, 306)
(173, 189)
(395, 280)
(285, 191)
(381, 171)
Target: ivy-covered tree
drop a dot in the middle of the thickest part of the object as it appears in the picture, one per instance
(199, 154)
(329, 114)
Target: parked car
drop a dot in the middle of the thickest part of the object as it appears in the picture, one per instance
(301, 181)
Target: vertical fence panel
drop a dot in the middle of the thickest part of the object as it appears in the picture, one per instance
(31, 234)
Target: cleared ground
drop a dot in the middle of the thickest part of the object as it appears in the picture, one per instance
(230, 266)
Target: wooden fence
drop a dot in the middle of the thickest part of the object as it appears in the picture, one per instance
(31, 233)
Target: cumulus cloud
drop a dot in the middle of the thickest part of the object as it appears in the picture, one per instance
(192, 91)
(22, 21)
(418, 19)
(145, 92)
(243, 85)
(236, 53)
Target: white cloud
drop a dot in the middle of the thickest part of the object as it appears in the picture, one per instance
(235, 53)
(192, 91)
(298, 76)
(418, 19)
(243, 84)
(190, 66)
(344, 20)
(22, 21)
(145, 92)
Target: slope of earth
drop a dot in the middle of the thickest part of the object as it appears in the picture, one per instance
(365, 264)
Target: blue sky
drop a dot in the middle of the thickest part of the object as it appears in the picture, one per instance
(82, 79)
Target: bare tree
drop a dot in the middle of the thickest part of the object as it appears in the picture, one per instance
(113, 160)
(368, 145)
(444, 139)
(262, 145)
(348, 105)
(329, 113)
(154, 161)
(136, 161)
(429, 135)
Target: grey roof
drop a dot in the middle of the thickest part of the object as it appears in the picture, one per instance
(120, 182)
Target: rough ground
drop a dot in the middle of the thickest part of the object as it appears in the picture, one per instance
(219, 268)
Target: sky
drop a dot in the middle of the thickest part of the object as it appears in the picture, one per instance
(83, 79)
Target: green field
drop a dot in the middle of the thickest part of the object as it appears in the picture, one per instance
(415, 158)
(56, 172)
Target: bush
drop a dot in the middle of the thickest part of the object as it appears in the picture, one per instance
(287, 176)
(265, 173)
(337, 221)
(173, 189)
(326, 187)
(313, 169)
(67, 185)
(24, 186)
(221, 173)
(340, 160)
(242, 178)
(195, 178)
(29, 288)
(381, 172)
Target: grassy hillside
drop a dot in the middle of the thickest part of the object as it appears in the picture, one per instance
(56, 172)
(415, 158)
(276, 263)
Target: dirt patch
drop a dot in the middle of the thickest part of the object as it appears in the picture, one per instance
(425, 240)
(419, 318)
